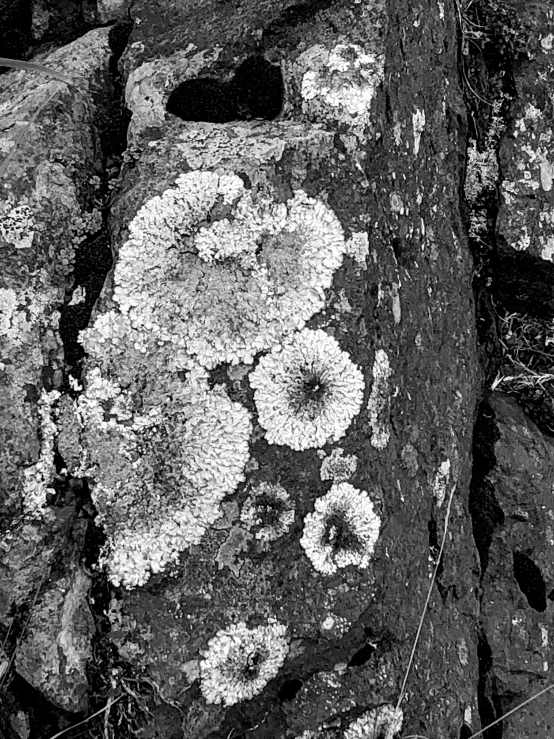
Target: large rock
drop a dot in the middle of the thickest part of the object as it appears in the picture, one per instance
(201, 204)
(518, 583)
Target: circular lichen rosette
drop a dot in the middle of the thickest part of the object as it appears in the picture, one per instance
(161, 462)
(384, 721)
(221, 272)
(342, 530)
(239, 661)
(307, 391)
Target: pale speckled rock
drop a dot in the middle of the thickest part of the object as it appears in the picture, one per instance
(526, 215)
(57, 646)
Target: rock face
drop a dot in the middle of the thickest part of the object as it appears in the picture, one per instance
(270, 411)
(519, 576)
(54, 654)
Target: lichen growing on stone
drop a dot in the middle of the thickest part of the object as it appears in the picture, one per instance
(162, 460)
(37, 480)
(338, 467)
(379, 401)
(307, 391)
(268, 511)
(340, 83)
(220, 272)
(342, 530)
(239, 661)
(384, 722)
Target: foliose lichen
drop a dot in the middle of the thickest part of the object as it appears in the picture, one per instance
(342, 530)
(239, 661)
(338, 467)
(38, 479)
(268, 511)
(384, 722)
(162, 460)
(220, 272)
(307, 391)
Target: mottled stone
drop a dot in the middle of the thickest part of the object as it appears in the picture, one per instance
(57, 645)
(518, 582)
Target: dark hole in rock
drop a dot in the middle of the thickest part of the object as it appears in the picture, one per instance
(203, 99)
(259, 89)
(361, 656)
(487, 695)
(530, 581)
(465, 732)
(289, 690)
(256, 91)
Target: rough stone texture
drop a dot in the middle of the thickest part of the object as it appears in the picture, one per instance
(526, 216)
(46, 212)
(400, 305)
(518, 584)
(373, 128)
(54, 654)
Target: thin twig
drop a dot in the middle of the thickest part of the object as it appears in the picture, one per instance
(18, 64)
(403, 688)
(107, 707)
(513, 710)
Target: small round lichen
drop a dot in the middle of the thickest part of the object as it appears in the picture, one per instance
(239, 661)
(342, 531)
(384, 722)
(268, 511)
(307, 391)
(220, 272)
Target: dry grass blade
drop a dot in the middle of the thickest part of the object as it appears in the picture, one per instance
(17, 64)
(107, 707)
(421, 620)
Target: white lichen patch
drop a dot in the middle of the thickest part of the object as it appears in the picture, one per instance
(338, 466)
(17, 225)
(162, 462)
(38, 479)
(220, 273)
(268, 511)
(384, 722)
(307, 391)
(379, 401)
(240, 661)
(339, 84)
(441, 479)
(357, 247)
(342, 530)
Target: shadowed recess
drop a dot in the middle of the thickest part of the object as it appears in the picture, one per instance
(256, 91)
(361, 656)
(530, 581)
(485, 511)
(289, 690)
(487, 696)
(465, 732)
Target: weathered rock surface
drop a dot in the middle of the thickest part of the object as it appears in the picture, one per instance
(54, 654)
(518, 583)
(266, 532)
(50, 146)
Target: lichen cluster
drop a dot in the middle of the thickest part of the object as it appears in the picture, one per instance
(221, 273)
(239, 661)
(342, 530)
(384, 722)
(162, 463)
(307, 391)
(268, 511)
